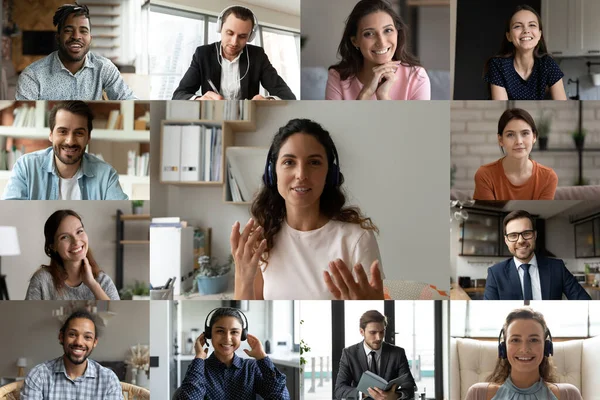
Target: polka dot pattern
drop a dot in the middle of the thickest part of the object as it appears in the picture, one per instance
(210, 379)
(545, 73)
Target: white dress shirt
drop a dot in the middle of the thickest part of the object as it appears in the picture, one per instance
(230, 77)
(534, 272)
(368, 351)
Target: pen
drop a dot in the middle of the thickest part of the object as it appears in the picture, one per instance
(212, 85)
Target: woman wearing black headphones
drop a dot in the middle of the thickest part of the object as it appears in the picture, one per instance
(524, 369)
(225, 375)
(299, 225)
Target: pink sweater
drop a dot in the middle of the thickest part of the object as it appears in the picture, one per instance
(412, 84)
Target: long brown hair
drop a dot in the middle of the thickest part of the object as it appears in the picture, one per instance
(507, 49)
(56, 267)
(352, 59)
(503, 367)
(268, 208)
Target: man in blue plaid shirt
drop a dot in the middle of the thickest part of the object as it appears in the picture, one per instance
(73, 375)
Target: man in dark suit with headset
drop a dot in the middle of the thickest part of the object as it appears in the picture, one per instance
(231, 68)
(375, 355)
(225, 375)
(526, 276)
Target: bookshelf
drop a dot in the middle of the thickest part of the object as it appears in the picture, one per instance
(121, 218)
(113, 142)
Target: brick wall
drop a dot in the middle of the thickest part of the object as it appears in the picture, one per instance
(474, 141)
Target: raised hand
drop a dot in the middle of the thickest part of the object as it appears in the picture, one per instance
(342, 285)
(246, 257)
(256, 348)
(201, 352)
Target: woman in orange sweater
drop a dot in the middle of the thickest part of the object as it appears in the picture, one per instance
(515, 176)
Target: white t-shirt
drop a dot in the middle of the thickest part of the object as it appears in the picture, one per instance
(298, 259)
(69, 188)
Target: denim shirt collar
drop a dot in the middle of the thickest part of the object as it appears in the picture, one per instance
(85, 167)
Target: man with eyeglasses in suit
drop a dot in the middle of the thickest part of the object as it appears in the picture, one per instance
(527, 276)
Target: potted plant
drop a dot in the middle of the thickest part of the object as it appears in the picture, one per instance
(139, 359)
(210, 277)
(579, 138)
(137, 207)
(303, 349)
(138, 291)
(543, 129)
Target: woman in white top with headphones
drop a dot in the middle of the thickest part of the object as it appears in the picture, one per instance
(299, 226)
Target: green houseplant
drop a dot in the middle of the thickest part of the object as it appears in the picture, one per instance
(138, 291)
(579, 139)
(211, 277)
(137, 206)
(303, 349)
(543, 129)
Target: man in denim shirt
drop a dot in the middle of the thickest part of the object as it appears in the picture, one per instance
(65, 171)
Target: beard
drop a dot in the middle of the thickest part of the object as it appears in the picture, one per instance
(73, 359)
(68, 160)
(64, 53)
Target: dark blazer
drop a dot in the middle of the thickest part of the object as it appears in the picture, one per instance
(354, 362)
(205, 66)
(503, 281)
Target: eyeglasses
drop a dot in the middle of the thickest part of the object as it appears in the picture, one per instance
(514, 236)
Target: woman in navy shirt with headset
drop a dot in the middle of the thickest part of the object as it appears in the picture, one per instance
(523, 69)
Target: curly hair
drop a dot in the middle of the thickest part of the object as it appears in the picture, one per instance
(63, 12)
(268, 208)
(56, 267)
(507, 49)
(503, 367)
(352, 59)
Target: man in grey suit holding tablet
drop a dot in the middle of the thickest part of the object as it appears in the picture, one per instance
(374, 355)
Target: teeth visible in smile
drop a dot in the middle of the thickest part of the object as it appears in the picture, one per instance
(527, 38)
(303, 190)
(524, 358)
(381, 51)
(77, 250)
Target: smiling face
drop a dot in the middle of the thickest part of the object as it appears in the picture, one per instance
(525, 346)
(74, 39)
(517, 139)
(524, 31)
(522, 249)
(226, 336)
(70, 240)
(376, 38)
(301, 170)
(373, 334)
(78, 340)
(69, 137)
(234, 36)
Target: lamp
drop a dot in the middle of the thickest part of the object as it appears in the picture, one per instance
(21, 363)
(9, 246)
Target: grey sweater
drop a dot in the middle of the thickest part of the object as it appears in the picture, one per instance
(41, 287)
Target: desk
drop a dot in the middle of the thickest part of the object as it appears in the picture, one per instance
(593, 291)
(458, 293)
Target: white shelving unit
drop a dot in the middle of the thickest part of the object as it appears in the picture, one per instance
(136, 187)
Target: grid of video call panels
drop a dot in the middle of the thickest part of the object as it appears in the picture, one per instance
(174, 198)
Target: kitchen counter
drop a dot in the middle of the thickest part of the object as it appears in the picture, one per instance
(458, 293)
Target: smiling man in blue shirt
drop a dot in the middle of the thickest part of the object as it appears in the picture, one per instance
(73, 375)
(224, 375)
(65, 171)
(72, 72)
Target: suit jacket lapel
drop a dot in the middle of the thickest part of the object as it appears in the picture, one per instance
(215, 73)
(385, 358)
(513, 279)
(243, 66)
(362, 358)
(545, 278)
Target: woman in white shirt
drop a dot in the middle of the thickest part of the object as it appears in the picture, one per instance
(300, 225)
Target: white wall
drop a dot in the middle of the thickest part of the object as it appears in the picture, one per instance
(394, 157)
(264, 15)
(99, 221)
(433, 28)
(33, 332)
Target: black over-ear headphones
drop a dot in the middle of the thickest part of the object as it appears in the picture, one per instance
(208, 328)
(333, 172)
(548, 346)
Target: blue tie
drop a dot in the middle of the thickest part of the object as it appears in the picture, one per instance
(527, 292)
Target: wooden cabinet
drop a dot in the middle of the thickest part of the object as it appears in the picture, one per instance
(481, 235)
(571, 28)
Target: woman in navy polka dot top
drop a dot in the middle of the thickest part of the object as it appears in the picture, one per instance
(226, 376)
(523, 69)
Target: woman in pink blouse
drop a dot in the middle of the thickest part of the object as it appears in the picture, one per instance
(375, 62)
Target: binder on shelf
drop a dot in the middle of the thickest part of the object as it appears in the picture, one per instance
(245, 166)
(208, 137)
(190, 152)
(171, 152)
